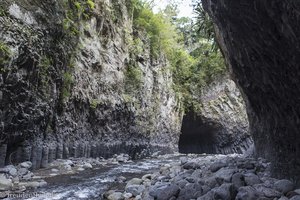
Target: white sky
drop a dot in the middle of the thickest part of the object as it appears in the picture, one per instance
(185, 7)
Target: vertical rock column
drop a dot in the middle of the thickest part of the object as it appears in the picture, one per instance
(3, 149)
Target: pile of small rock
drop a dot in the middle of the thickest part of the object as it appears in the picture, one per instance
(73, 165)
(19, 178)
(217, 177)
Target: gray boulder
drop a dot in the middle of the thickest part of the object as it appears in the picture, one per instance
(168, 192)
(115, 196)
(5, 183)
(251, 179)
(268, 192)
(238, 180)
(216, 166)
(224, 192)
(135, 189)
(224, 175)
(207, 196)
(22, 171)
(297, 197)
(248, 193)
(134, 181)
(26, 164)
(284, 186)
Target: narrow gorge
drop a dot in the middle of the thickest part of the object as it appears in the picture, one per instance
(105, 99)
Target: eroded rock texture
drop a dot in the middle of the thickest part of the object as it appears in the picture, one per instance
(220, 125)
(260, 40)
(65, 84)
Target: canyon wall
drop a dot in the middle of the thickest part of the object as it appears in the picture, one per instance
(260, 40)
(220, 125)
(74, 83)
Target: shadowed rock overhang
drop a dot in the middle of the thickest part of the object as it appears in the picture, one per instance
(260, 40)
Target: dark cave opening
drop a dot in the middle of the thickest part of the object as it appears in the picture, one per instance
(197, 136)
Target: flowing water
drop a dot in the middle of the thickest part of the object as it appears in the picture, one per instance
(91, 184)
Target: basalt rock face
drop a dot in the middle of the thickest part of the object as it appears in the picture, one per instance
(260, 40)
(66, 84)
(220, 125)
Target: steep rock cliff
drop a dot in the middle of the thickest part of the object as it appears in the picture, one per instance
(260, 40)
(220, 125)
(73, 84)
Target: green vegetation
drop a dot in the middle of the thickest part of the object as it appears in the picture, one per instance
(76, 10)
(3, 12)
(133, 79)
(5, 55)
(94, 103)
(67, 83)
(194, 58)
(44, 65)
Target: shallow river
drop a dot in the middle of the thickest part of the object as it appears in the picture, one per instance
(91, 184)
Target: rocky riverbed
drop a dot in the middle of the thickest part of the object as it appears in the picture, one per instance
(214, 177)
(164, 177)
(18, 180)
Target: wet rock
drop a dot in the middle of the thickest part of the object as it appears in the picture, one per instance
(87, 166)
(284, 186)
(80, 169)
(216, 166)
(33, 184)
(5, 183)
(54, 170)
(135, 189)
